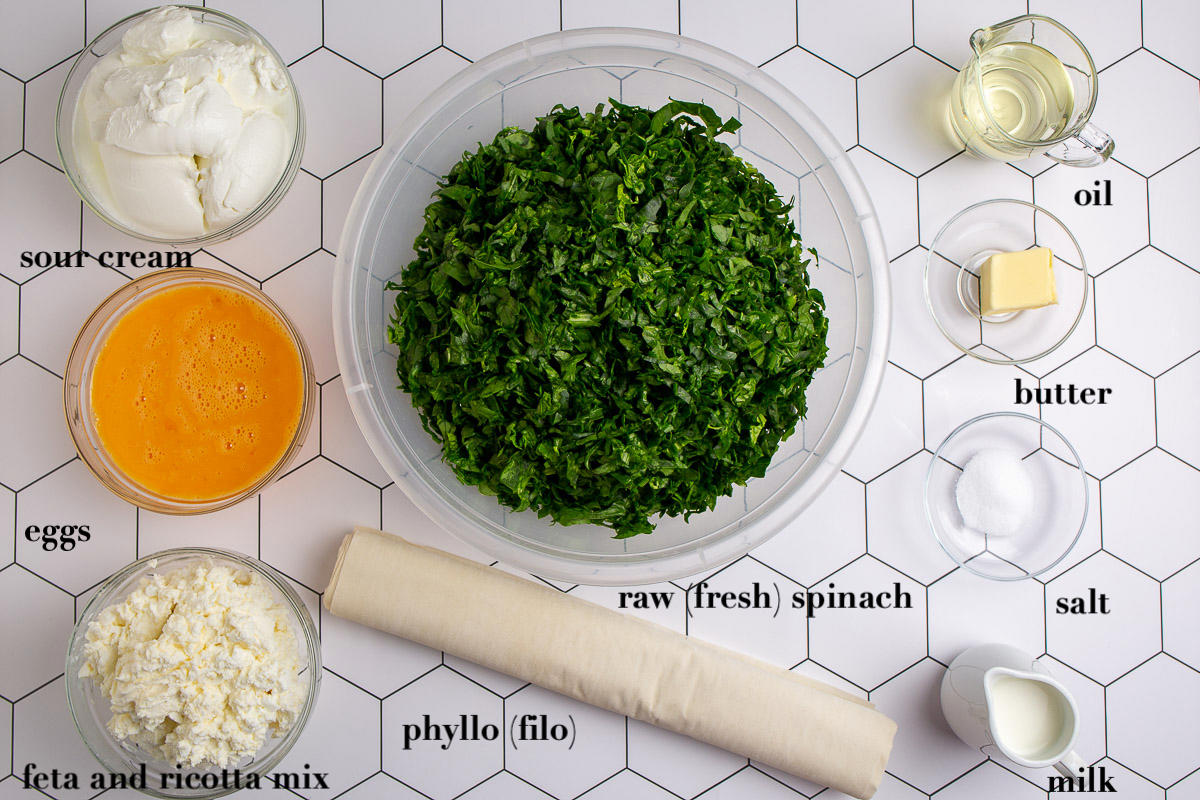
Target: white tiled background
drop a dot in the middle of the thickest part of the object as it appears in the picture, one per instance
(869, 68)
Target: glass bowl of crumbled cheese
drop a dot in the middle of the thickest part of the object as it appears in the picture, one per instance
(193, 671)
(180, 125)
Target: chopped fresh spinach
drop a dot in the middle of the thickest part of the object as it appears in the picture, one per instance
(608, 317)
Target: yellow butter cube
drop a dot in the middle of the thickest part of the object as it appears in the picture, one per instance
(1016, 281)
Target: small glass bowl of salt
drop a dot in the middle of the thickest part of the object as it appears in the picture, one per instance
(1006, 496)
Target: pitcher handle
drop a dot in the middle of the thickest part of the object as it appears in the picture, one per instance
(1071, 765)
(1088, 148)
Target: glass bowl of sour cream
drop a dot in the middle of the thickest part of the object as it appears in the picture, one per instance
(180, 125)
(167, 604)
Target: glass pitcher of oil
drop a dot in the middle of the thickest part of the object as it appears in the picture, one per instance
(1030, 87)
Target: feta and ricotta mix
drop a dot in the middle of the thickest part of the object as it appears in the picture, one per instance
(201, 665)
(180, 131)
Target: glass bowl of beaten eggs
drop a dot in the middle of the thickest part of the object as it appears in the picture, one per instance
(92, 711)
(188, 390)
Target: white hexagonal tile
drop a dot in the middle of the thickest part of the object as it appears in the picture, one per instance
(288, 234)
(963, 181)
(1135, 91)
(836, 635)
(10, 320)
(100, 14)
(1108, 37)
(73, 496)
(591, 749)
(341, 440)
(1133, 611)
(8, 528)
(990, 781)
(963, 604)
(1165, 27)
(902, 110)
(1106, 436)
(1144, 309)
(967, 388)
(36, 637)
(918, 345)
(293, 27)
(1128, 783)
(626, 785)
(1151, 720)
(894, 193)
(428, 765)
(893, 431)
(772, 630)
(306, 514)
(403, 518)
(380, 36)
(498, 682)
(659, 15)
(913, 700)
(6, 731)
(1180, 598)
(897, 529)
(302, 290)
(380, 786)
(374, 660)
(505, 786)
(825, 89)
(943, 28)
(1186, 789)
(476, 28)
(342, 737)
(683, 765)
(749, 783)
(1178, 427)
(73, 293)
(835, 32)
(1150, 512)
(31, 422)
(337, 193)
(48, 738)
(343, 109)
(1174, 206)
(403, 91)
(826, 536)
(38, 211)
(234, 528)
(1106, 234)
(12, 96)
(48, 32)
(661, 603)
(1089, 538)
(756, 37)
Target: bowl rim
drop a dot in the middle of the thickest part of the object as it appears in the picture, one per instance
(1078, 465)
(979, 353)
(64, 123)
(90, 340)
(101, 598)
(679, 560)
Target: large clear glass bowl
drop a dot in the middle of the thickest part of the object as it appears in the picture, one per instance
(780, 136)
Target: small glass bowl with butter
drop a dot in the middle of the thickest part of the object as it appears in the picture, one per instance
(92, 710)
(180, 125)
(1006, 281)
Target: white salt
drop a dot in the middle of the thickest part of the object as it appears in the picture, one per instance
(995, 492)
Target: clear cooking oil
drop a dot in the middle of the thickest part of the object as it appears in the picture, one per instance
(1023, 92)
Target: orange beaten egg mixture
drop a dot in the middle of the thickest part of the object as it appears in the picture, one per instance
(197, 392)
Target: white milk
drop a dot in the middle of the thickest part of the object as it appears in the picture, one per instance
(1030, 718)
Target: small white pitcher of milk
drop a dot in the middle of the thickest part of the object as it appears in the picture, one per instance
(1004, 702)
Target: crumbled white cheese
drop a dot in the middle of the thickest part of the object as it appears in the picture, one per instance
(200, 664)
